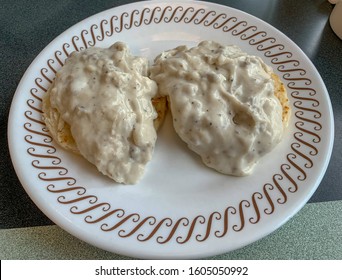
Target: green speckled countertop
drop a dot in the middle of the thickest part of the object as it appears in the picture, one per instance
(314, 233)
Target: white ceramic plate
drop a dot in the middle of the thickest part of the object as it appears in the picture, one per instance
(180, 209)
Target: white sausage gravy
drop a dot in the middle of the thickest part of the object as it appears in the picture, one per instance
(104, 94)
(222, 103)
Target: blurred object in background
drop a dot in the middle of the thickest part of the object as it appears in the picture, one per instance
(336, 17)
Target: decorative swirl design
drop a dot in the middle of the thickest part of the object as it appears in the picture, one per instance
(236, 33)
(148, 220)
(297, 95)
(166, 221)
(49, 63)
(122, 24)
(27, 127)
(31, 151)
(34, 92)
(28, 115)
(313, 150)
(254, 220)
(299, 125)
(89, 218)
(44, 177)
(65, 47)
(140, 20)
(62, 170)
(291, 157)
(200, 219)
(216, 25)
(102, 35)
(152, 17)
(183, 17)
(242, 203)
(169, 19)
(43, 71)
(91, 199)
(52, 188)
(213, 215)
(30, 103)
(266, 188)
(194, 16)
(262, 203)
(73, 40)
(276, 178)
(205, 20)
(57, 56)
(229, 210)
(29, 141)
(84, 41)
(38, 83)
(105, 207)
(233, 28)
(135, 219)
(92, 28)
(111, 23)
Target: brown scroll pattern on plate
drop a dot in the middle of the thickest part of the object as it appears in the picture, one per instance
(275, 192)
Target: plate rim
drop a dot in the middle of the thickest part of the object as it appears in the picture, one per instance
(11, 133)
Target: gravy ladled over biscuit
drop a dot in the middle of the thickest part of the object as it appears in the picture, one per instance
(226, 105)
(100, 105)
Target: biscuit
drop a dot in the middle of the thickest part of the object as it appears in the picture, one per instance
(281, 93)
